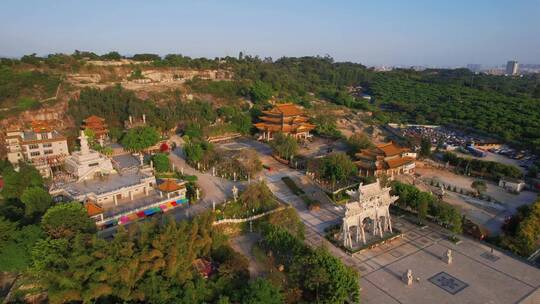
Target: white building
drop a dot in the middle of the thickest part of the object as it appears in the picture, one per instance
(116, 196)
(43, 147)
(87, 163)
(512, 185)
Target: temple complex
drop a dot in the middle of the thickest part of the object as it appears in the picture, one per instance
(385, 159)
(98, 126)
(287, 118)
(116, 191)
(368, 209)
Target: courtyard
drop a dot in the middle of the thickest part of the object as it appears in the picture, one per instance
(476, 275)
(490, 215)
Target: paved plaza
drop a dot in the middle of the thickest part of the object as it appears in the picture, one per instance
(476, 275)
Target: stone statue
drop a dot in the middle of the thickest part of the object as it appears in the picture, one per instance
(408, 277)
(141, 159)
(182, 170)
(213, 205)
(235, 192)
(213, 171)
(448, 257)
(85, 149)
(198, 193)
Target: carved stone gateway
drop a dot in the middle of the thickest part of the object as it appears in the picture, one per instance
(368, 202)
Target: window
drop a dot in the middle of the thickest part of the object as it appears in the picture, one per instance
(34, 153)
(48, 152)
(47, 145)
(93, 164)
(33, 146)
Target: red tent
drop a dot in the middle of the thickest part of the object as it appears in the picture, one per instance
(164, 147)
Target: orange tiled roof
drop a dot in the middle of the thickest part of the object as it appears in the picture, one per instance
(398, 162)
(270, 119)
(40, 126)
(94, 118)
(291, 119)
(289, 109)
(283, 128)
(93, 209)
(390, 149)
(169, 185)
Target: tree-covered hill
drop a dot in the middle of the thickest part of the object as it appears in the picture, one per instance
(23, 89)
(418, 98)
(506, 107)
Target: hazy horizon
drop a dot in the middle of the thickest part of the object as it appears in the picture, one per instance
(423, 33)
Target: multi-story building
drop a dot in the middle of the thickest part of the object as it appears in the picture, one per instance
(474, 67)
(385, 159)
(44, 147)
(512, 67)
(287, 118)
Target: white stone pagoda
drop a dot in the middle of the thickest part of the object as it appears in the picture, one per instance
(86, 163)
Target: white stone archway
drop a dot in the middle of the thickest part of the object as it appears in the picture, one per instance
(368, 202)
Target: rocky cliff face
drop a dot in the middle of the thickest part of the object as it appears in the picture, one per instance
(149, 77)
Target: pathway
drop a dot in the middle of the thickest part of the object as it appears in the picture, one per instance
(488, 276)
(243, 244)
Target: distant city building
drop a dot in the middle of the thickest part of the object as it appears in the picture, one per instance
(385, 159)
(473, 67)
(512, 67)
(42, 146)
(287, 118)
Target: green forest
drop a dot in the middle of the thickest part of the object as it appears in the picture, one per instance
(414, 97)
(504, 107)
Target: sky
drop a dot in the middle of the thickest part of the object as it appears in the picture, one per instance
(383, 32)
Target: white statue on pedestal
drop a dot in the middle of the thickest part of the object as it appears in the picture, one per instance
(448, 257)
(408, 277)
(235, 192)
